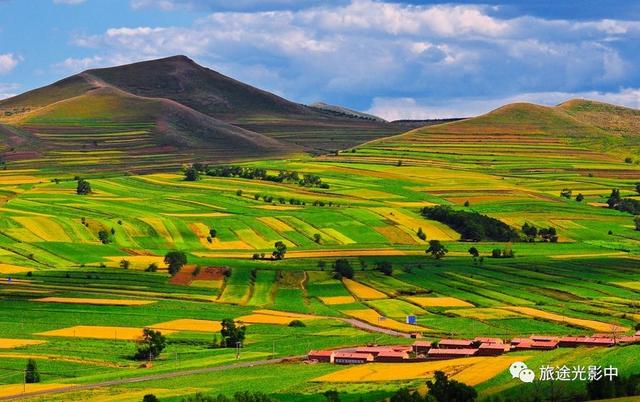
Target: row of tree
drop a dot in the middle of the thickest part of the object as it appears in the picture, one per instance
(472, 226)
(193, 172)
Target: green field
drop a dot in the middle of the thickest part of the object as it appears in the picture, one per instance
(589, 278)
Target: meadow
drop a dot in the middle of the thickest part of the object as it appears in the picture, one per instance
(72, 305)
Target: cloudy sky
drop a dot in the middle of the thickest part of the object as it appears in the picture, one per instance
(397, 59)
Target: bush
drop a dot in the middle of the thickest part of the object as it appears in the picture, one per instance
(343, 269)
(297, 323)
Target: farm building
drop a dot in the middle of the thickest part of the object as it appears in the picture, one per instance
(492, 349)
(376, 350)
(451, 353)
(488, 340)
(529, 344)
(573, 341)
(391, 356)
(543, 338)
(321, 355)
(421, 347)
(352, 358)
(455, 344)
(628, 339)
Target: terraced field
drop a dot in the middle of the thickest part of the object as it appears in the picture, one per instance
(73, 306)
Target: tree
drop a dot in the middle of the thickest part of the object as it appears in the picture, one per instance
(566, 193)
(213, 233)
(83, 187)
(496, 253)
(191, 174)
(297, 323)
(125, 264)
(436, 249)
(175, 260)
(149, 398)
(317, 238)
(385, 267)
(474, 252)
(231, 334)
(280, 250)
(614, 198)
(638, 187)
(103, 236)
(239, 193)
(445, 390)
(343, 269)
(31, 374)
(530, 231)
(151, 345)
(331, 396)
(636, 220)
(421, 235)
(579, 197)
(153, 267)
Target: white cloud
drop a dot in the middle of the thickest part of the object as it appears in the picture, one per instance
(8, 90)
(69, 2)
(350, 52)
(416, 109)
(8, 62)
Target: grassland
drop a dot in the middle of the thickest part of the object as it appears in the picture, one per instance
(64, 280)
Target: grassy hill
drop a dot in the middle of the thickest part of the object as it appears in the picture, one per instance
(163, 113)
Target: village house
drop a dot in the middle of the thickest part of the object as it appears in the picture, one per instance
(455, 344)
(321, 355)
(421, 347)
(451, 353)
(492, 349)
(352, 358)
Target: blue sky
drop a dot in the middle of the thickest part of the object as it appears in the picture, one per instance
(397, 59)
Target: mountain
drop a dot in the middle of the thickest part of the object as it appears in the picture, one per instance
(343, 111)
(579, 129)
(166, 112)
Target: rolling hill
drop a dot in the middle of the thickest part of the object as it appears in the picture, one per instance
(162, 113)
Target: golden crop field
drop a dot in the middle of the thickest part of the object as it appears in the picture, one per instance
(18, 343)
(591, 324)
(187, 324)
(438, 301)
(100, 332)
(361, 291)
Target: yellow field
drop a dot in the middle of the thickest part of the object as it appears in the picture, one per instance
(17, 389)
(13, 269)
(438, 302)
(266, 319)
(373, 317)
(126, 395)
(375, 372)
(98, 302)
(484, 313)
(276, 224)
(100, 332)
(45, 228)
(433, 230)
(630, 285)
(571, 256)
(158, 225)
(338, 236)
(205, 284)
(18, 343)
(486, 369)
(362, 291)
(197, 215)
(395, 235)
(139, 261)
(337, 300)
(19, 179)
(590, 324)
(187, 324)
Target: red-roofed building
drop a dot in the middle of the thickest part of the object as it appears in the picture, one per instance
(544, 338)
(391, 357)
(575, 341)
(628, 339)
(516, 341)
(451, 353)
(321, 355)
(455, 344)
(352, 358)
(421, 347)
(488, 340)
(638, 333)
(491, 349)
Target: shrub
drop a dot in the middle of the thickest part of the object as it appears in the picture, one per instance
(297, 323)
